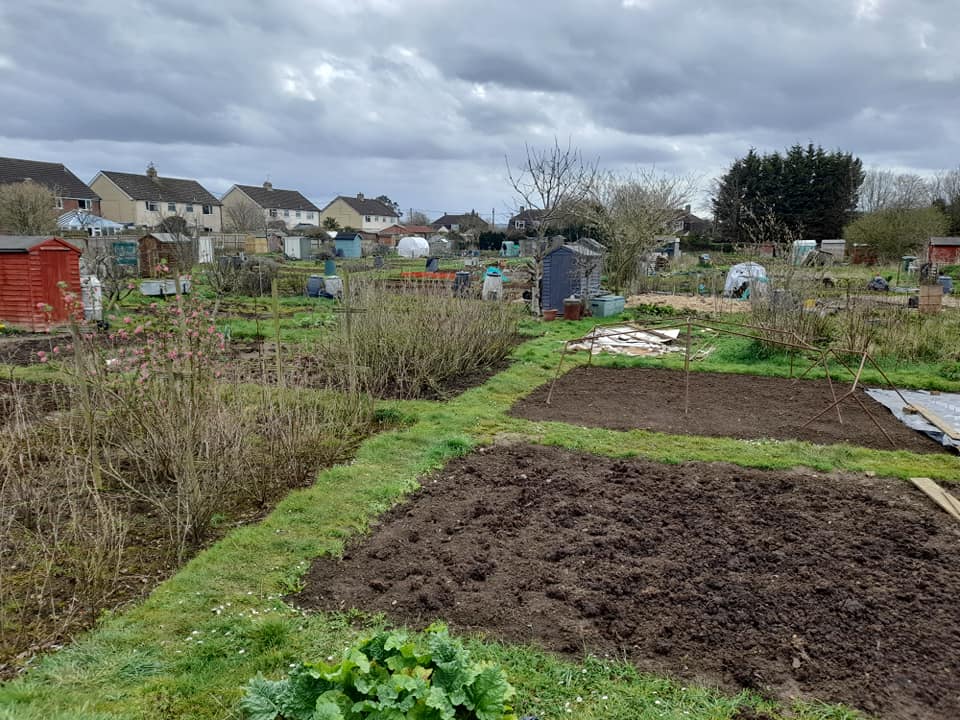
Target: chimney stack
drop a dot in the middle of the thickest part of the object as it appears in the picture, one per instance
(686, 209)
(359, 196)
(267, 185)
(151, 171)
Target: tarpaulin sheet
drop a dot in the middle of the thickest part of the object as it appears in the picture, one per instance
(945, 405)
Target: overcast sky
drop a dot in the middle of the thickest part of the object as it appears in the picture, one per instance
(422, 100)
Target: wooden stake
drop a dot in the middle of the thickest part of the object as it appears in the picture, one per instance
(940, 496)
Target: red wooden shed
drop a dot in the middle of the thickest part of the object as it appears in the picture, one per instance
(944, 250)
(30, 268)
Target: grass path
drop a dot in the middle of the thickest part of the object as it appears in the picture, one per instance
(188, 648)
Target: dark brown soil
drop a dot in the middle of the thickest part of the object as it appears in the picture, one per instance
(721, 405)
(22, 349)
(795, 584)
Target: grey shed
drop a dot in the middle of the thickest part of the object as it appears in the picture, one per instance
(572, 269)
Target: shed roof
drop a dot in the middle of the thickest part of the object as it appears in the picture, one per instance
(167, 237)
(945, 241)
(347, 236)
(24, 243)
(53, 176)
(578, 249)
(163, 189)
(275, 198)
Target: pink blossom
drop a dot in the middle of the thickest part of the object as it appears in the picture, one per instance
(56, 349)
(41, 354)
(138, 329)
(127, 320)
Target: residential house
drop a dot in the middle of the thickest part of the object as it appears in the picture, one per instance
(524, 221)
(360, 213)
(70, 193)
(461, 223)
(147, 200)
(287, 206)
(685, 223)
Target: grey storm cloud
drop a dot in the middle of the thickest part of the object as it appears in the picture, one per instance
(423, 99)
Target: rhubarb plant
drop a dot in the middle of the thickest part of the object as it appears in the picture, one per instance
(390, 676)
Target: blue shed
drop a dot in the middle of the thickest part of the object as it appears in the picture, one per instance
(348, 245)
(573, 269)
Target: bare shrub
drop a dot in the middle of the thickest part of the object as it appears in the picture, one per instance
(409, 344)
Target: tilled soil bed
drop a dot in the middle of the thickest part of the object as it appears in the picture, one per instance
(839, 588)
(721, 405)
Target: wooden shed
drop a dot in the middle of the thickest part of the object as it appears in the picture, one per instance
(176, 252)
(573, 269)
(944, 250)
(30, 269)
(348, 245)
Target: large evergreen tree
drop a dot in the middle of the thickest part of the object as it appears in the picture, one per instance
(806, 192)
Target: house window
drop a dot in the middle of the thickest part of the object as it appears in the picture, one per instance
(59, 203)
(189, 207)
(310, 215)
(520, 224)
(298, 213)
(366, 218)
(208, 209)
(286, 213)
(85, 204)
(171, 207)
(273, 212)
(151, 205)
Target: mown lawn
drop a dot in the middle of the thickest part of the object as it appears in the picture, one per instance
(187, 650)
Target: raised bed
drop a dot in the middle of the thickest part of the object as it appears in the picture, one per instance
(839, 588)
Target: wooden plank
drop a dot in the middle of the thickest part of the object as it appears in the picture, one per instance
(947, 429)
(940, 496)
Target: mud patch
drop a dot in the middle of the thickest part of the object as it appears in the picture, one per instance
(839, 588)
(721, 405)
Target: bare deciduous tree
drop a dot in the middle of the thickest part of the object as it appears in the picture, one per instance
(886, 190)
(630, 211)
(243, 216)
(552, 181)
(417, 217)
(27, 208)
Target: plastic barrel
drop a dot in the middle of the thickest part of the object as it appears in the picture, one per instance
(314, 284)
(329, 267)
(946, 282)
(461, 281)
(433, 264)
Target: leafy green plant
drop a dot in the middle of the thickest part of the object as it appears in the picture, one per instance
(390, 676)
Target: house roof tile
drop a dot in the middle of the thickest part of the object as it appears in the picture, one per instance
(53, 176)
(161, 189)
(366, 206)
(278, 199)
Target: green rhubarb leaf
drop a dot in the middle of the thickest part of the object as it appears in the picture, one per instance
(262, 700)
(489, 693)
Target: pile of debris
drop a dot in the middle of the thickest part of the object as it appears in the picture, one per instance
(627, 340)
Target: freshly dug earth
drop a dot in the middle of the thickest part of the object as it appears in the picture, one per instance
(23, 349)
(721, 405)
(839, 588)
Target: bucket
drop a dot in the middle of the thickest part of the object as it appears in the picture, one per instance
(946, 282)
(549, 314)
(329, 267)
(571, 309)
